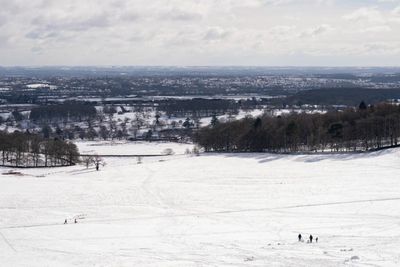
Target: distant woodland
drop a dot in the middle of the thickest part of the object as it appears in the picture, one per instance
(30, 150)
(355, 129)
(198, 107)
(64, 112)
(339, 96)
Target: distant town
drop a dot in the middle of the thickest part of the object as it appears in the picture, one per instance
(168, 103)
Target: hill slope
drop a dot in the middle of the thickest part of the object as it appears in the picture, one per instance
(212, 210)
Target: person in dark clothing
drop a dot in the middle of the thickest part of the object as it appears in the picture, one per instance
(299, 236)
(65, 221)
(316, 239)
(311, 238)
(97, 166)
(76, 221)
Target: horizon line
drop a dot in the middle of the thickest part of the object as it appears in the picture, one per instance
(199, 66)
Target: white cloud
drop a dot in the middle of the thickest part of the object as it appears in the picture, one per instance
(181, 15)
(379, 48)
(216, 33)
(4, 39)
(314, 31)
(369, 14)
(396, 11)
(190, 32)
(377, 29)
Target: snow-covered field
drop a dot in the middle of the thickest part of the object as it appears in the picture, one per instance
(130, 148)
(211, 210)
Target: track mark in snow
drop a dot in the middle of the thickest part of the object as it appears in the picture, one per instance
(31, 225)
(7, 242)
(213, 213)
(339, 203)
(83, 172)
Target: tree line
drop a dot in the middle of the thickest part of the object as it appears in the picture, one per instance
(31, 150)
(354, 129)
(339, 96)
(198, 107)
(64, 112)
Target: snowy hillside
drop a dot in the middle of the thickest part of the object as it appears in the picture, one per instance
(211, 210)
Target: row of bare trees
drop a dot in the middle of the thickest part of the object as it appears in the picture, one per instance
(360, 129)
(30, 150)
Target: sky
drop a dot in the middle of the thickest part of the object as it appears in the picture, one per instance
(200, 33)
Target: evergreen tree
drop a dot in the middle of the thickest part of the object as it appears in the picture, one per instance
(214, 120)
(362, 106)
(46, 131)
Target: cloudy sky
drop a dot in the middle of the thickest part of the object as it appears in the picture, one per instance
(200, 32)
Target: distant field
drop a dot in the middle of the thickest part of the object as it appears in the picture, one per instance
(130, 148)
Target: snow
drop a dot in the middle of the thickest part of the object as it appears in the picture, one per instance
(280, 112)
(40, 85)
(241, 115)
(211, 210)
(130, 148)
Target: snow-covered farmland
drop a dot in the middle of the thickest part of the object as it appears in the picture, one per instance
(130, 148)
(211, 210)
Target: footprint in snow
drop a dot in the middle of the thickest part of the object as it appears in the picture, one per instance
(249, 259)
(353, 258)
(344, 249)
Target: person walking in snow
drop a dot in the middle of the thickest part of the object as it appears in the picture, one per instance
(299, 236)
(311, 238)
(65, 221)
(316, 239)
(75, 221)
